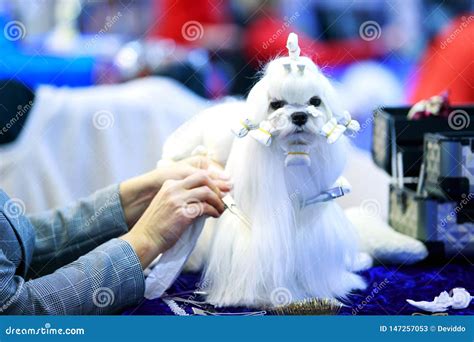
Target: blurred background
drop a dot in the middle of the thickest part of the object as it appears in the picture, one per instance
(375, 50)
(378, 53)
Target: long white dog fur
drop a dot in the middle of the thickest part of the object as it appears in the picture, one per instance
(305, 251)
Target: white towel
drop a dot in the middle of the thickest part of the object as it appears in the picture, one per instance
(169, 265)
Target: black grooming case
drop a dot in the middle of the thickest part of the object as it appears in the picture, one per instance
(449, 164)
(393, 133)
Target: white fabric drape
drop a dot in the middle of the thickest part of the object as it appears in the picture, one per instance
(78, 140)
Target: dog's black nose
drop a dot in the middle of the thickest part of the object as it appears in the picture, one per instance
(299, 118)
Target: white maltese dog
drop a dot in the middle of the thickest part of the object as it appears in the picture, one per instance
(283, 235)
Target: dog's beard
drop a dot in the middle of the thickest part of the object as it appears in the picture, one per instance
(297, 148)
(295, 141)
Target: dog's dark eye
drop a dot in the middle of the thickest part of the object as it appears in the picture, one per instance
(315, 101)
(277, 104)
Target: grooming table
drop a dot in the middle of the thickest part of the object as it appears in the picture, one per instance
(388, 287)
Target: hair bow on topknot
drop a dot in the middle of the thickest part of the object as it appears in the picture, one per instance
(294, 54)
(292, 46)
(333, 129)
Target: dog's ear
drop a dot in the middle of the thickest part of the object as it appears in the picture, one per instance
(257, 101)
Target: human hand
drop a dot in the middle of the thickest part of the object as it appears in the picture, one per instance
(172, 210)
(137, 193)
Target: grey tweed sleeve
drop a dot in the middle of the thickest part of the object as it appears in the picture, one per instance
(63, 235)
(104, 281)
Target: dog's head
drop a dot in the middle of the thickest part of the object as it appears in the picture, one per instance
(294, 105)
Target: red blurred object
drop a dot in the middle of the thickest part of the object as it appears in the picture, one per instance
(266, 38)
(449, 64)
(172, 16)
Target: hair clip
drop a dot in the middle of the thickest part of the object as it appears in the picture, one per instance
(351, 125)
(332, 130)
(287, 67)
(301, 68)
(263, 133)
(243, 127)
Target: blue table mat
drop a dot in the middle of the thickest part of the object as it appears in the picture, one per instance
(386, 294)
